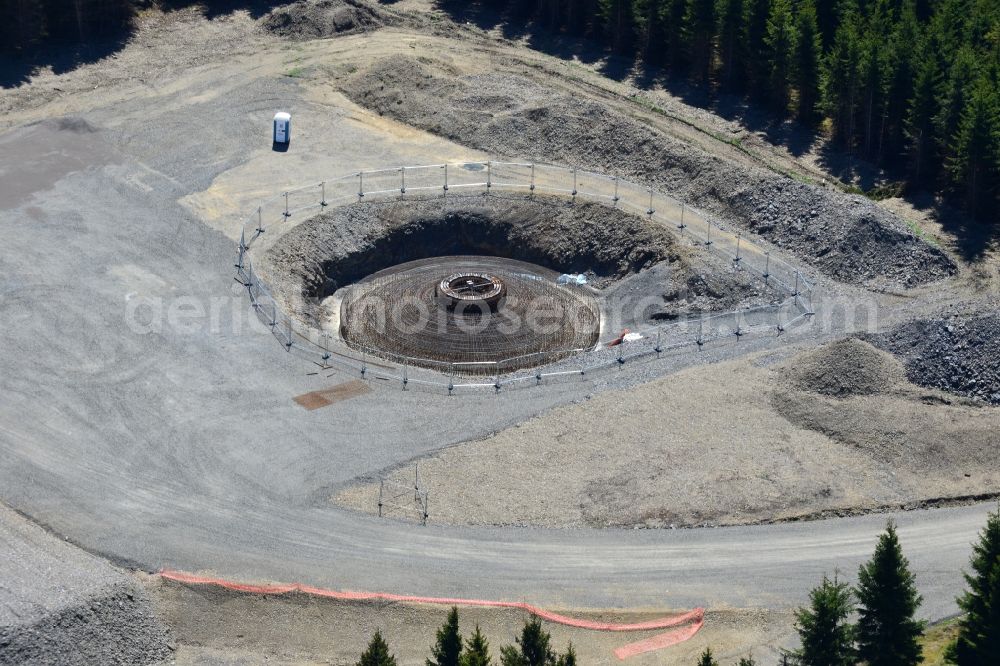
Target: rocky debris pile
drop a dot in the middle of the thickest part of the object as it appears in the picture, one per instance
(848, 238)
(958, 354)
(316, 19)
(845, 368)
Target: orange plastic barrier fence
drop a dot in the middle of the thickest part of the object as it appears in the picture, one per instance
(689, 623)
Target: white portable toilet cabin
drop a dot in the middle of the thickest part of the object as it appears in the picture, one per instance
(282, 127)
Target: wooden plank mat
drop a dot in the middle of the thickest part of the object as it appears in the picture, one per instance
(328, 396)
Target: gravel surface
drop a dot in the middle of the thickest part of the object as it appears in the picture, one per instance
(959, 354)
(674, 453)
(848, 238)
(60, 605)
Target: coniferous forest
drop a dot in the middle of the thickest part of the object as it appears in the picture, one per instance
(909, 85)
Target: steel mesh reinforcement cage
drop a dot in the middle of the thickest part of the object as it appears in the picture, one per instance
(400, 314)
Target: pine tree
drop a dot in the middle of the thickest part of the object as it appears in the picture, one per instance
(532, 647)
(477, 651)
(448, 648)
(827, 638)
(887, 632)
(978, 641)
(806, 62)
(377, 653)
(707, 659)
(780, 41)
(747, 661)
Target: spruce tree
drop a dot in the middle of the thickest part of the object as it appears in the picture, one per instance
(448, 648)
(806, 64)
(753, 49)
(747, 661)
(978, 642)
(477, 651)
(532, 647)
(842, 80)
(699, 29)
(707, 659)
(920, 127)
(377, 653)
(887, 631)
(730, 13)
(780, 41)
(974, 150)
(568, 658)
(826, 636)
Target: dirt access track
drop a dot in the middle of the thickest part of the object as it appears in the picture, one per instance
(148, 416)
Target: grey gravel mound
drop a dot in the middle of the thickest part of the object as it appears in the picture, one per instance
(848, 238)
(60, 605)
(846, 368)
(316, 19)
(960, 355)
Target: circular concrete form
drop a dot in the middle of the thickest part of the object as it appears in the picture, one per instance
(463, 289)
(480, 314)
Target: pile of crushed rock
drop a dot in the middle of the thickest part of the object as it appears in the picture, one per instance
(958, 354)
(316, 19)
(845, 368)
(848, 238)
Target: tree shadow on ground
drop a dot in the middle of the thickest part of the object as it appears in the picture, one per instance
(64, 57)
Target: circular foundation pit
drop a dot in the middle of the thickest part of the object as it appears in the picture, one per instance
(473, 314)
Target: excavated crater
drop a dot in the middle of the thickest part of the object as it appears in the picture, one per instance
(399, 278)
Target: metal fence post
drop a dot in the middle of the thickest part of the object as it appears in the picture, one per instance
(708, 234)
(406, 379)
(241, 250)
(531, 187)
(739, 237)
(288, 332)
(451, 380)
(361, 184)
(489, 175)
(767, 266)
(621, 352)
(287, 214)
(322, 195)
(701, 333)
(364, 363)
(446, 178)
(650, 211)
(682, 226)
(658, 347)
(260, 220)
(574, 185)
(615, 199)
(402, 180)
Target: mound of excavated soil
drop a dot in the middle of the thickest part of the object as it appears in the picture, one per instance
(315, 19)
(960, 355)
(845, 368)
(848, 238)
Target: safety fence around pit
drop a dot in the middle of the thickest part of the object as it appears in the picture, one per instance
(284, 211)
